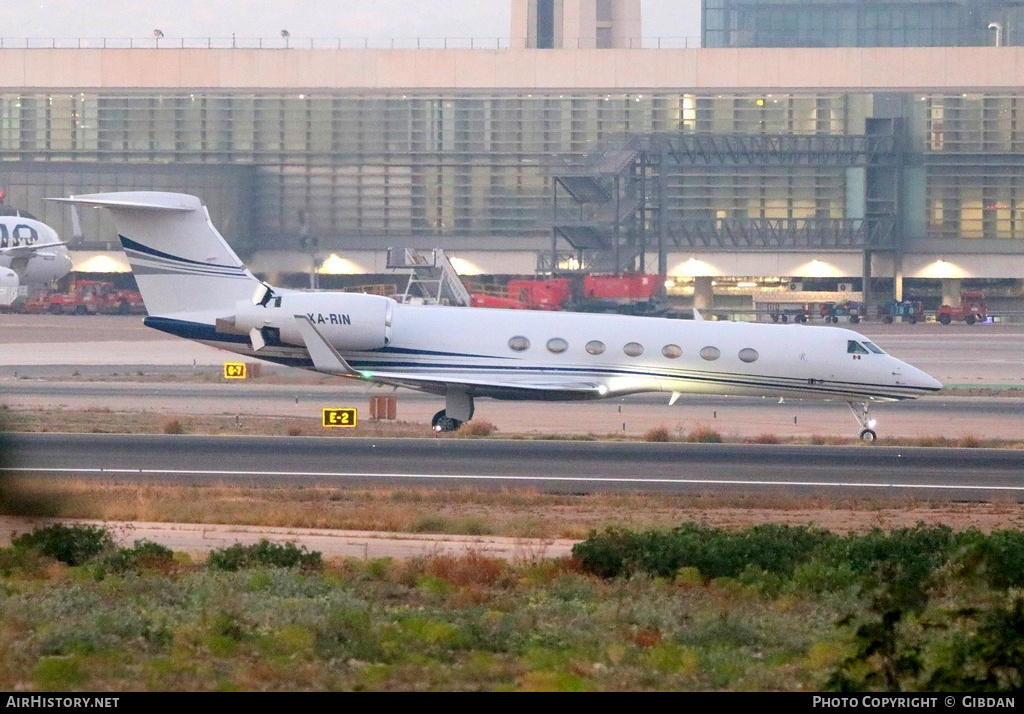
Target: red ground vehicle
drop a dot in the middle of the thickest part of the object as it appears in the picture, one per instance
(87, 297)
(632, 293)
(972, 308)
(485, 300)
(552, 294)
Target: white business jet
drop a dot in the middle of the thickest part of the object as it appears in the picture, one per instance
(31, 253)
(194, 286)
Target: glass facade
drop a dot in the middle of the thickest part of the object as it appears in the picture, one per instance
(860, 23)
(973, 146)
(278, 167)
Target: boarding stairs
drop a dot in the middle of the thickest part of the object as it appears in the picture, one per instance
(432, 277)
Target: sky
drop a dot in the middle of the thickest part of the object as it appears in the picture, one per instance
(374, 19)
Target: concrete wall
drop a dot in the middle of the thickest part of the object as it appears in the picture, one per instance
(855, 69)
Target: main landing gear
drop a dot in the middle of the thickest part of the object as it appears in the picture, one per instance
(867, 424)
(443, 422)
(458, 409)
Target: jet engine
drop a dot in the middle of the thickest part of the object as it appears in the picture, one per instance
(47, 265)
(8, 278)
(8, 286)
(351, 322)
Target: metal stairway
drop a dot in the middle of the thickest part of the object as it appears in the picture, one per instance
(432, 277)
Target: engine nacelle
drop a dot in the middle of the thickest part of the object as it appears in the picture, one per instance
(349, 321)
(47, 265)
(8, 278)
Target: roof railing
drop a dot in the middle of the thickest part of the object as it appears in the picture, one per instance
(319, 43)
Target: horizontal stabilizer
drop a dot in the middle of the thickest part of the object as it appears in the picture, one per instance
(136, 200)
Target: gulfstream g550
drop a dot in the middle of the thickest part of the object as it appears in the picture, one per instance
(195, 286)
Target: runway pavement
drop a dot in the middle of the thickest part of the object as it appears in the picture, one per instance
(550, 466)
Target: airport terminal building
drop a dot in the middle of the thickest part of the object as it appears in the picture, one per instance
(766, 162)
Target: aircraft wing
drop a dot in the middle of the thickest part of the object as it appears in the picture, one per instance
(434, 383)
(327, 359)
(25, 251)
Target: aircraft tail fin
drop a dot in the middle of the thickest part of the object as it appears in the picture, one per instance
(181, 262)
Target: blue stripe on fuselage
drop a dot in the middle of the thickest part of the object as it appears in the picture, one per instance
(207, 333)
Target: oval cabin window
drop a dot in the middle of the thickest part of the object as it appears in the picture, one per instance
(519, 344)
(557, 345)
(710, 353)
(633, 349)
(672, 351)
(748, 355)
(595, 347)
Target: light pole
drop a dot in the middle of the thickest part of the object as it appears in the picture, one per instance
(286, 35)
(158, 34)
(999, 32)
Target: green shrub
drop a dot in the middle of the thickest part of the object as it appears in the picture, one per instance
(143, 555)
(264, 553)
(714, 552)
(72, 545)
(963, 637)
(904, 557)
(819, 575)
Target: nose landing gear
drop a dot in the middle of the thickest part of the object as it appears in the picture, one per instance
(860, 413)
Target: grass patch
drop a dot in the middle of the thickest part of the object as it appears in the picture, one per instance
(658, 434)
(172, 426)
(479, 427)
(704, 435)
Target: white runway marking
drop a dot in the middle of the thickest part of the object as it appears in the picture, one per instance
(482, 477)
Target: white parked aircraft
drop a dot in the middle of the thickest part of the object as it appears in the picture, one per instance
(194, 286)
(31, 253)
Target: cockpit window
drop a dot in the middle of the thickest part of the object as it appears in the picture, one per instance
(874, 348)
(855, 348)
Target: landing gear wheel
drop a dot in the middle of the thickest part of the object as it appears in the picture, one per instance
(442, 422)
(867, 424)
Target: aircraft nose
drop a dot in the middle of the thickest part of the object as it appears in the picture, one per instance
(922, 380)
